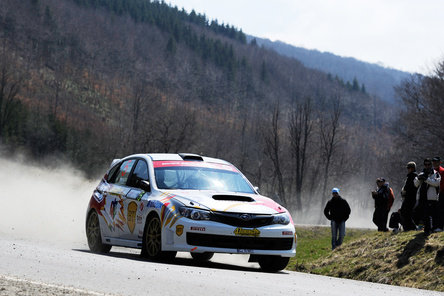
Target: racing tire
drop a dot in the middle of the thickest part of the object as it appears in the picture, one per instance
(152, 241)
(270, 263)
(202, 257)
(94, 236)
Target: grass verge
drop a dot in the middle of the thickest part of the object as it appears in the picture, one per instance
(408, 259)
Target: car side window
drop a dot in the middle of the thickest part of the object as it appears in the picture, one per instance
(140, 173)
(112, 174)
(124, 172)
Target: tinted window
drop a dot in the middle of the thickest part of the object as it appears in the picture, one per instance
(112, 174)
(124, 171)
(140, 173)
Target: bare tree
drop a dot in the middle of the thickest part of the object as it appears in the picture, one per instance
(328, 133)
(175, 128)
(10, 83)
(137, 106)
(300, 127)
(272, 150)
(423, 98)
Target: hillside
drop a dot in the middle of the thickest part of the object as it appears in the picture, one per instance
(408, 259)
(91, 80)
(377, 80)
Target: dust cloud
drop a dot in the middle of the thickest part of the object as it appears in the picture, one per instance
(46, 203)
(361, 203)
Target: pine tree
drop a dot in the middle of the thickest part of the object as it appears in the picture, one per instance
(171, 45)
(363, 88)
(264, 74)
(355, 85)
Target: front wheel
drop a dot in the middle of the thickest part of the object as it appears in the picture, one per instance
(152, 241)
(202, 257)
(94, 236)
(270, 263)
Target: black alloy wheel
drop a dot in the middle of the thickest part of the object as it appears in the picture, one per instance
(94, 236)
(152, 241)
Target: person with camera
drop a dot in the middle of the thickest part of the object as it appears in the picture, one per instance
(337, 211)
(381, 197)
(408, 194)
(436, 162)
(427, 183)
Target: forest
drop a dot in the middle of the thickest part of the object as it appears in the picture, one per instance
(378, 80)
(92, 80)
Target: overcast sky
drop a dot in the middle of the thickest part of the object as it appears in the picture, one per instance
(403, 34)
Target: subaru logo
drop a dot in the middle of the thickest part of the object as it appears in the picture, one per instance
(245, 217)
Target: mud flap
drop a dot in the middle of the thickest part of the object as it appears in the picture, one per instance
(253, 258)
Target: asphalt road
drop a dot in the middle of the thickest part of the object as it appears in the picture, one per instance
(29, 267)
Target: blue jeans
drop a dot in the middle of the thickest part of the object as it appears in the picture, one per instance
(337, 229)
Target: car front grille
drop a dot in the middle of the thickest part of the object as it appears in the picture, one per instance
(235, 219)
(234, 242)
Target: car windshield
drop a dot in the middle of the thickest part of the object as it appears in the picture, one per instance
(200, 177)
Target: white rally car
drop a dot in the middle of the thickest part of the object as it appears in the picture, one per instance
(164, 203)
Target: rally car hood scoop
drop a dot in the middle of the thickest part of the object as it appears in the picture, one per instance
(233, 198)
(228, 202)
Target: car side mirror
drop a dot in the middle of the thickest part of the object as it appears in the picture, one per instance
(145, 185)
(256, 188)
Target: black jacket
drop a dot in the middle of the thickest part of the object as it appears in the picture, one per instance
(410, 188)
(337, 209)
(381, 197)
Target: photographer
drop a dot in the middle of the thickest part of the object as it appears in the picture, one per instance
(427, 183)
(408, 193)
(381, 197)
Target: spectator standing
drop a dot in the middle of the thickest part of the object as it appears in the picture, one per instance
(381, 197)
(436, 162)
(427, 183)
(408, 194)
(337, 211)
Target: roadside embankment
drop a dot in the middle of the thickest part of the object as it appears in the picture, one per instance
(409, 259)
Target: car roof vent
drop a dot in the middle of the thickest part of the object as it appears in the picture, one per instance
(233, 198)
(190, 156)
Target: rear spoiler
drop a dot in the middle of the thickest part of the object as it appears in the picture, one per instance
(116, 160)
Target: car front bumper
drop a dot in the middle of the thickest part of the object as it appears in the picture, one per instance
(208, 236)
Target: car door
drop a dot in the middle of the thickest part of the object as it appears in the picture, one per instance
(135, 200)
(114, 209)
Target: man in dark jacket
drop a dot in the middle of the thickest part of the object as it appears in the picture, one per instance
(381, 197)
(337, 211)
(408, 194)
(427, 183)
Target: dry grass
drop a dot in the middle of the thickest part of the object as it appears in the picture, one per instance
(408, 259)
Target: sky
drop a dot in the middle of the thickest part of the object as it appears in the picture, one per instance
(407, 35)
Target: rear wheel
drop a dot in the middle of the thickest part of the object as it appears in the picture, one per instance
(152, 241)
(94, 236)
(271, 263)
(202, 257)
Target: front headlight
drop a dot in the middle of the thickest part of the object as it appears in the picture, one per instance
(282, 218)
(194, 214)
